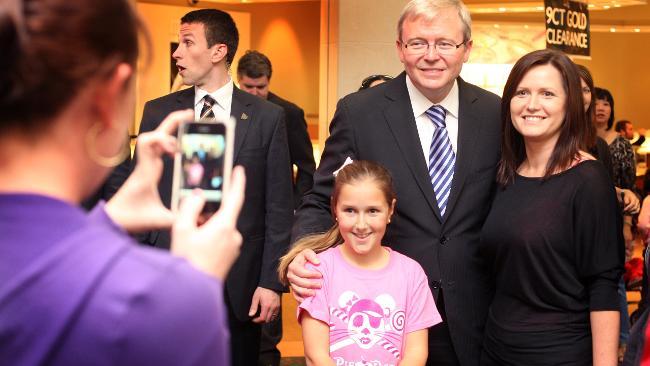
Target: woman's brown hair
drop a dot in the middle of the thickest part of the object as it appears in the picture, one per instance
(573, 132)
(585, 75)
(52, 48)
(356, 172)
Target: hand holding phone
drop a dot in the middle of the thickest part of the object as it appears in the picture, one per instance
(214, 246)
(136, 206)
(204, 161)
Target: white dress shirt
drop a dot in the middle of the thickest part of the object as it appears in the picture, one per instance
(222, 96)
(421, 104)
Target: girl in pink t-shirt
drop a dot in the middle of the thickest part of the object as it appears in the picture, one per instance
(375, 304)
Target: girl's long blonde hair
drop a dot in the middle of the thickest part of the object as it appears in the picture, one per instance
(357, 171)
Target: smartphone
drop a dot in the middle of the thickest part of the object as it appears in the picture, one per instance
(203, 161)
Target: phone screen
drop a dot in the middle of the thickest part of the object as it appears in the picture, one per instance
(203, 151)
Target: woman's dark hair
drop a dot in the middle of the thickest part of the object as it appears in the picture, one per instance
(589, 80)
(52, 48)
(365, 84)
(604, 94)
(574, 128)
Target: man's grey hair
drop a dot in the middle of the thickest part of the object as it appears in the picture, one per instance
(428, 9)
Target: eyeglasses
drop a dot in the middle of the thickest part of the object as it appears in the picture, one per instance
(420, 47)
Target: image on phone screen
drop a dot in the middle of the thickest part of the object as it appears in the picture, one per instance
(203, 148)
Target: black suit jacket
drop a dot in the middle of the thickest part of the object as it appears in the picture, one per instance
(300, 149)
(266, 216)
(377, 124)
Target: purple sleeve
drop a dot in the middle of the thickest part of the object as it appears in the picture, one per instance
(98, 215)
(421, 311)
(317, 306)
(180, 319)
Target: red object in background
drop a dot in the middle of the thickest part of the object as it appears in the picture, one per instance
(633, 271)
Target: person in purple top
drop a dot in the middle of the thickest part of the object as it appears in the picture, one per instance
(75, 289)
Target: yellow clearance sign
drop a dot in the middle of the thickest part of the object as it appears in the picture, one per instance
(567, 26)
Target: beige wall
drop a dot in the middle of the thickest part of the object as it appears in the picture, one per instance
(367, 34)
(288, 33)
(619, 62)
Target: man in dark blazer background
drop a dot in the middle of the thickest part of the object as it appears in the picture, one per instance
(389, 124)
(254, 72)
(207, 44)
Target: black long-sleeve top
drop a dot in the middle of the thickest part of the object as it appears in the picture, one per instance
(554, 245)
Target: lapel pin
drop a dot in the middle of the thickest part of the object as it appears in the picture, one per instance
(244, 116)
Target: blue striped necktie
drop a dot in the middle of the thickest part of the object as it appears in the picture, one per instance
(441, 158)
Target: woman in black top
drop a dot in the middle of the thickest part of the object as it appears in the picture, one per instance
(552, 232)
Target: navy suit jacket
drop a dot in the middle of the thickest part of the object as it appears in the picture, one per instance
(377, 124)
(266, 216)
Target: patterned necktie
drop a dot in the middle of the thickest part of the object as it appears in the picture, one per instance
(441, 157)
(206, 111)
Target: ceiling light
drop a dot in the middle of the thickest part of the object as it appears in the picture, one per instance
(613, 30)
(520, 6)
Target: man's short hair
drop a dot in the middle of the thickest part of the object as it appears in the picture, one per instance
(219, 28)
(620, 125)
(254, 64)
(428, 10)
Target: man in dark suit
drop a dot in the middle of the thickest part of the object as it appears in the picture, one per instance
(254, 72)
(406, 124)
(207, 44)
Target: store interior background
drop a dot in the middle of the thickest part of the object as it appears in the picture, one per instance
(321, 50)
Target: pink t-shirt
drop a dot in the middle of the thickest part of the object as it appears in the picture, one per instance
(370, 311)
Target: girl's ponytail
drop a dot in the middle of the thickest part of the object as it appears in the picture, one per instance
(316, 242)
